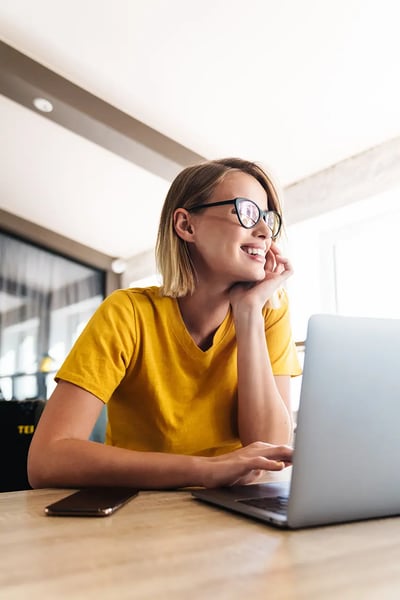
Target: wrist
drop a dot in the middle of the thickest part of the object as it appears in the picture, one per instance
(205, 471)
(201, 471)
(248, 317)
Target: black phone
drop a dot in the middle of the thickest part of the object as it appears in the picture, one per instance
(92, 502)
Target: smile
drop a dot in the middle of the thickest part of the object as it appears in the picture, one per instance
(254, 251)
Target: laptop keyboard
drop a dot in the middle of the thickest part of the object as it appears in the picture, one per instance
(276, 504)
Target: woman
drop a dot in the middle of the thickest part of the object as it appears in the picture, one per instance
(196, 374)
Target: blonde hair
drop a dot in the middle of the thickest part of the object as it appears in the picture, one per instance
(195, 185)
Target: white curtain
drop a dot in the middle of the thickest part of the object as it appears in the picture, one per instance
(45, 301)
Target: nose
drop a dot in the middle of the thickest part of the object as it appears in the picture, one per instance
(262, 230)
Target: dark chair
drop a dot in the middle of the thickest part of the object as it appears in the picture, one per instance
(18, 419)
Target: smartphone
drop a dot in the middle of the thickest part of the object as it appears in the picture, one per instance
(92, 502)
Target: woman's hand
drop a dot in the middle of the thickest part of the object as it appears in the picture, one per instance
(277, 270)
(245, 465)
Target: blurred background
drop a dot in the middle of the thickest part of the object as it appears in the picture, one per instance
(102, 103)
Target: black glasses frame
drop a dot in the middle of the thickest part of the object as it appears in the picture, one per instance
(262, 214)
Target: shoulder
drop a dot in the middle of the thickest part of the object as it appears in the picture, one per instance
(133, 296)
(139, 300)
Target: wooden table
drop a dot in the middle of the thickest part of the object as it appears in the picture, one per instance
(166, 545)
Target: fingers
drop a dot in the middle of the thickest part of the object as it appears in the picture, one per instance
(270, 451)
(246, 464)
(261, 456)
(284, 266)
(276, 263)
(270, 262)
(266, 464)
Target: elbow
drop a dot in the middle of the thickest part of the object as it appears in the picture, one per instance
(281, 434)
(287, 434)
(34, 474)
(36, 469)
(286, 437)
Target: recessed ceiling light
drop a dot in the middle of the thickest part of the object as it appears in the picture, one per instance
(43, 105)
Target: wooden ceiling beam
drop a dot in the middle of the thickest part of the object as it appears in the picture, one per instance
(23, 79)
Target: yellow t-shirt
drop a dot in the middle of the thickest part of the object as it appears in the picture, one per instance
(164, 393)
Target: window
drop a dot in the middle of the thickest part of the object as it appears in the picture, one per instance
(45, 301)
(345, 263)
(19, 356)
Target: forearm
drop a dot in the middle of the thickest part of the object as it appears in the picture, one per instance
(60, 454)
(262, 413)
(80, 463)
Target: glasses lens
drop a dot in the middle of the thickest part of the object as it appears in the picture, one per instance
(249, 215)
(248, 212)
(272, 219)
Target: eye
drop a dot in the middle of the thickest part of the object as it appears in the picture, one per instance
(271, 220)
(247, 220)
(248, 213)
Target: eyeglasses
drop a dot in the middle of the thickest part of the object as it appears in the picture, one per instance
(249, 214)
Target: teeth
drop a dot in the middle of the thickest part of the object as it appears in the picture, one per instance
(257, 251)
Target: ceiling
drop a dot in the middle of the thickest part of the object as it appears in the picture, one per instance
(297, 85)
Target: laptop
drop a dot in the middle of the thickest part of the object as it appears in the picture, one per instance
(346, 463)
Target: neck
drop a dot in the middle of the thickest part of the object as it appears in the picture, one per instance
(202, 313)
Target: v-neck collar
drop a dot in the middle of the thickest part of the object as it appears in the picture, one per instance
(185, 339)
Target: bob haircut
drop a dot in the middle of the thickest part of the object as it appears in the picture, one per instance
(195, 185)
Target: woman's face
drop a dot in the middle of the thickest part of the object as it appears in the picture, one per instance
(222, 249)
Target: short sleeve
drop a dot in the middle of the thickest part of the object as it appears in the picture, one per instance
(278, 333)
(99, 358)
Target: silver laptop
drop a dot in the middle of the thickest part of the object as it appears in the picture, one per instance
(346, 463)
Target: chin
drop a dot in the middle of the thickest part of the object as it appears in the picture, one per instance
(252, 279)
(259, 275)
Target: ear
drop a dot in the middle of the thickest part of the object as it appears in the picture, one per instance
(183, 225)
